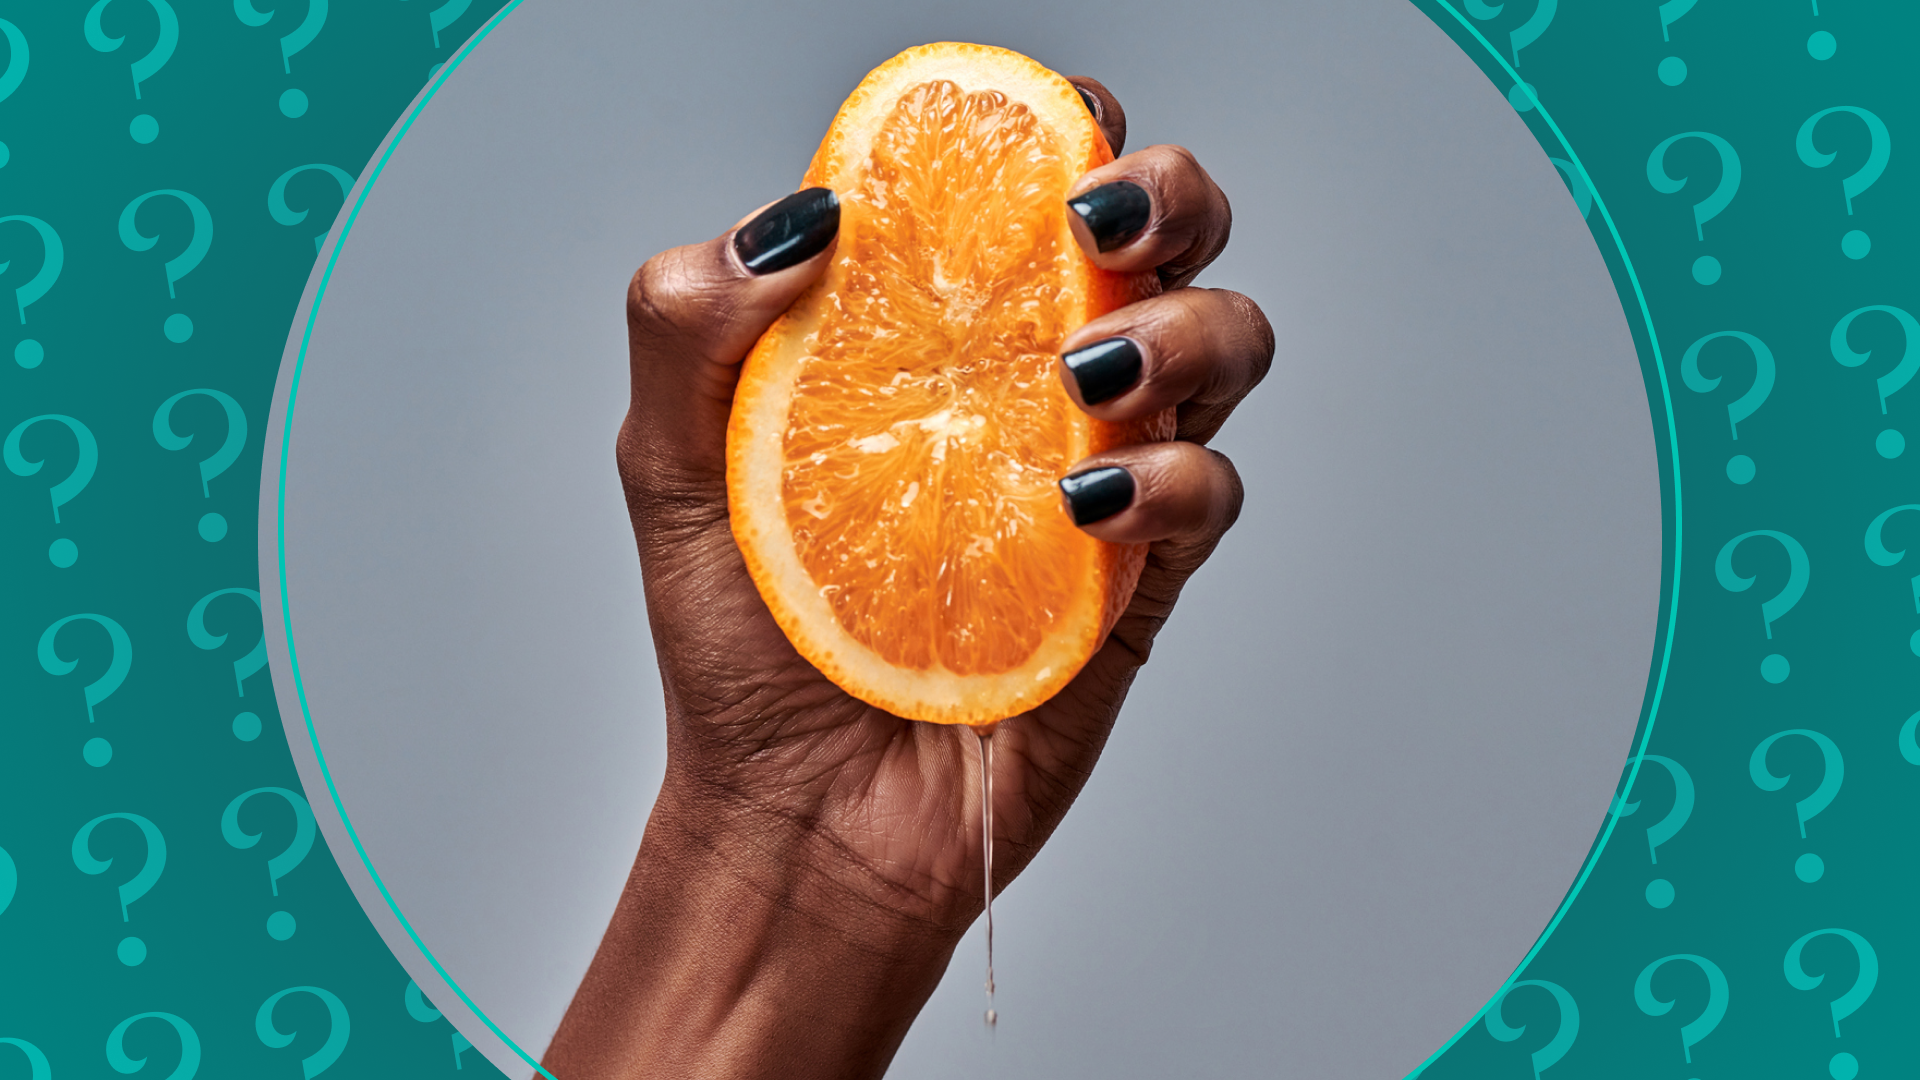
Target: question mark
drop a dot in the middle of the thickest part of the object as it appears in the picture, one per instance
(29, 352)
(197, 633)
(189, 1047)
(10, 79)
(1855, 244)
(1774, 668)
(1843, 1066)
(286, 215)
(1820, 44)
(144, 128)
(97, 752)
(1808, 867)
(443, 16)
(131, 950)
(1709, 1018)
(1660, 890)
(1740, 468)
(1888, 443)
(212, 526)
(280, 924)
(178, 328)
(1672, 70)
(37, 1066)
(293, 103)
(1706, 268)
(1877, 551)
(1523, 35)
(1521, 96)
(319, 1061)
(62, 552)
(1909, 745)
(422, 1010)
(1563, 1036)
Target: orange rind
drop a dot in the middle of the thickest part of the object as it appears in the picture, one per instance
(897, 435)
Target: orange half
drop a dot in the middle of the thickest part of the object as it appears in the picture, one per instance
(898, 434)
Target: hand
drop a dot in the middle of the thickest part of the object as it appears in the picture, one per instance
(812, 861)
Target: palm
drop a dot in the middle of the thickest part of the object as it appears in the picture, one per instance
(899, 799)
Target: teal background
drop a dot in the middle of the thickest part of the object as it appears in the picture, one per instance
(1597, 102)
(72, 162)
(208, 958)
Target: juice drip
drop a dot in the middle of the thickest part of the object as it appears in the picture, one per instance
(986, 844)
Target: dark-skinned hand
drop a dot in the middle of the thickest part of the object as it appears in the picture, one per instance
(812, 861)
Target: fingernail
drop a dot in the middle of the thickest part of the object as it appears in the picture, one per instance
(790, 231)
(1105, 369)
(1097, 494)
(1115, 213)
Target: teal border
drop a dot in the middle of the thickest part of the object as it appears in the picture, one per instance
(280, 517)
(1672, 553)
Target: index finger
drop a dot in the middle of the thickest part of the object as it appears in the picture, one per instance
(1105, 108)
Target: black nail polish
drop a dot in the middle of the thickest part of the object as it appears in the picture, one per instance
(1093, 103)
(1097, 494)
(790, 231)
(1115, 213)
(1105, 369)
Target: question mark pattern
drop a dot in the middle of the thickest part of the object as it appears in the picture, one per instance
(1775, 775)
(422, 1010)
(167, 909)
(293, 101)
(1718, 172)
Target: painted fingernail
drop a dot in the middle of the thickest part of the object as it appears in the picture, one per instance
(1097, 494)
(1105, 369)
(790, 231)
(1115, 213)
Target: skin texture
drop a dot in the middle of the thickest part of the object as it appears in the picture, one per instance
(812, 861)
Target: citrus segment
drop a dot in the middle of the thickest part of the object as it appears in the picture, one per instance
(897, 435)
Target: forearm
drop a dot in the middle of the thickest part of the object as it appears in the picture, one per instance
(736, 956)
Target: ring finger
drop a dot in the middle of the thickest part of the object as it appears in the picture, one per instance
(1198, 350)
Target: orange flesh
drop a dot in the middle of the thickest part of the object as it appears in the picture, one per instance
(923, 504)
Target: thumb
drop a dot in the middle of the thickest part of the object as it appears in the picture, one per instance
(692, 314)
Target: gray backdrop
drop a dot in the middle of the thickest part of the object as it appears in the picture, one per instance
(1374, 743)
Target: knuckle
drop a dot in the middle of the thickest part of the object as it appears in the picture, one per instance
(1257, 334)
(1174, 156)
(1232, 338)
(654, 299)
(678, 301)
(1231, 492)
(674, 296)
(1219, 216)
(627, 451)
(1223, 206)
(664, 499)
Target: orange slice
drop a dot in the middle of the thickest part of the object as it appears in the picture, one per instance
(897, 435)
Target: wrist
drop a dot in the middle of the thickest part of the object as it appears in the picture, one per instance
(772, 857)
(743, 947)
